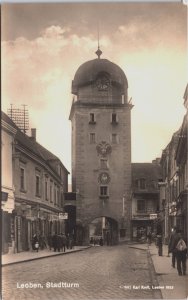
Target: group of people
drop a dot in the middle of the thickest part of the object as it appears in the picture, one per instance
(177, 246)
(96, 241)
(59, 242)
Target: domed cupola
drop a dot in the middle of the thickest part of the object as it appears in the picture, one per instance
(100, 80)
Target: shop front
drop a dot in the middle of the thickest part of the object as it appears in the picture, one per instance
(141, 227)
(30, 220)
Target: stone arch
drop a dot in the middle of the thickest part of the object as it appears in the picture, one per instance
(105, 227)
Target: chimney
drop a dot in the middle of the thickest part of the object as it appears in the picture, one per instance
(156, 161)
(33, 134)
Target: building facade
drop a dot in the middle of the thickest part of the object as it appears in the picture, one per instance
(182, 164)
(8, 133)
(101, 148)
(169, 186)
(145, 198)
(39, 180)
(173, 189)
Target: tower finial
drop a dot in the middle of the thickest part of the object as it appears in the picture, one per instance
(98, 52)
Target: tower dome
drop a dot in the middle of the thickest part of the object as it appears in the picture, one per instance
(89, 71)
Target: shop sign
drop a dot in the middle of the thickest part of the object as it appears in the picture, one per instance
(32, 218)
(63, 216)
(140, 218)
(55, 217)
(153, 216)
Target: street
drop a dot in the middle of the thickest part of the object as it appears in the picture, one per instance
(117, 272)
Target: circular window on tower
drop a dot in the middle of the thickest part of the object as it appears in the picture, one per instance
(104, 178)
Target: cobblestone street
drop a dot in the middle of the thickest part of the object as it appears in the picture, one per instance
(96, 273)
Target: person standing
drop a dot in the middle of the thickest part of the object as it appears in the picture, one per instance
(173, 237)
(160, 244)
(35, 243)
(71, 242)
(101, 241)
(67, 241)
(50, 241)
(149, 236)
(63, 242)
(180, 249)
(55, 241)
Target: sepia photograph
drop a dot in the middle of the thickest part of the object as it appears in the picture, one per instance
(94, 164)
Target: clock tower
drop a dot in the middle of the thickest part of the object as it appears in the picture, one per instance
(101, 148)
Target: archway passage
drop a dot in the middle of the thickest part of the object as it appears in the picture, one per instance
(103, 231)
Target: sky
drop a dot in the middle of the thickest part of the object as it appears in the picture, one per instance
(44, 44)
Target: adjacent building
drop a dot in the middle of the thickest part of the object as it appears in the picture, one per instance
(8, 132)
(39, 180)
(182, 165)
(145, 198)
(169, 186)
(173, 189)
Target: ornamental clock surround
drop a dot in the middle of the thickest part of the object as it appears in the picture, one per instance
(103, 83)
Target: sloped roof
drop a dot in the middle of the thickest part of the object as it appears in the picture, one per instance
(30, 143)
(146, 170)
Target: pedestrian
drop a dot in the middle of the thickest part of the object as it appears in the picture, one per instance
(149, 236)
(50, 241)
(68, 241)
(42, 242)
(180, 248)
(71, 242)
(101, 241)
(160, 244)
(63, 242)
(91, 241)
(58, 242)
(173, 237)
(35, 243)
(55, 241)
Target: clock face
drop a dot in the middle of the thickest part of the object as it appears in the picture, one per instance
(102, 83)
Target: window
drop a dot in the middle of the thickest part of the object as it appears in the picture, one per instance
(91, 118)
(114, 118)
(62, 199)
(92, 138)
(114, 138)
(22, 179)
(141, 206)
(58, 196)
(55, 195)
(103, 191)
(46, 190)
(123, 99)
(51, 187)
(37, 185)
(142, 184)
(104, 164)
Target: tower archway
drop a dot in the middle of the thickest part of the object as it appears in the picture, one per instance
(104, 228)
